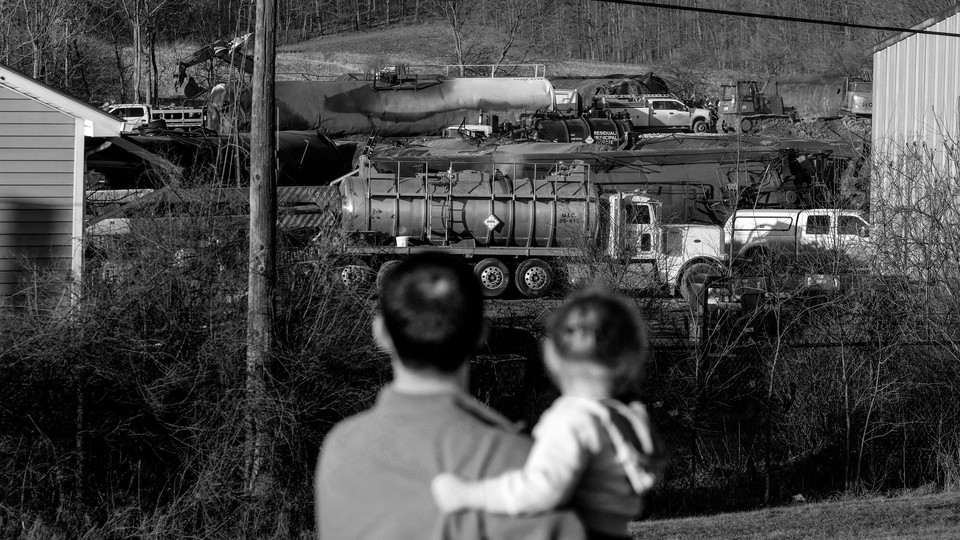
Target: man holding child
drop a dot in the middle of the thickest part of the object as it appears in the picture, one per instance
(376, 468)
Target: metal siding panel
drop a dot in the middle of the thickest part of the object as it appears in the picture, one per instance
(20, 104)
(49, 195)
(34, 117)
(10, 213)
(8, 180)
(45, 142)
(32, 153)
(35, 130)
(39, 166)
(38, 149)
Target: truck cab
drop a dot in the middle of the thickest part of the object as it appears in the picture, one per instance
(134, 114)
(858, 97)
(804, 236)
(668, 254)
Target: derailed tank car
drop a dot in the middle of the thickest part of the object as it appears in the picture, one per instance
(425, 107)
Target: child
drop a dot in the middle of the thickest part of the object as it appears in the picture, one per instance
(589, 449)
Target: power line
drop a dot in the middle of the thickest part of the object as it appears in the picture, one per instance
(777, 17)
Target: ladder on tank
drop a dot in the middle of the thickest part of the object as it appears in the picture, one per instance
(438, 189)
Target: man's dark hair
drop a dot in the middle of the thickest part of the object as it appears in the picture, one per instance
(433, 310)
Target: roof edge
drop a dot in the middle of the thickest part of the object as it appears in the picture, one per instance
(103, 124)
(936, 19)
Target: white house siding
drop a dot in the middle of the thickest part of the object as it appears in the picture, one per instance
(37, 174)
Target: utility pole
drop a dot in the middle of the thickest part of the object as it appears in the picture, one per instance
(259, 412)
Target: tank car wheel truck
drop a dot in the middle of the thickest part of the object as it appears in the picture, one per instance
(521, 226)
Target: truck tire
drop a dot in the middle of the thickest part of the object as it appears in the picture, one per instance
(746, 125)
(493, 275)
(356, 275)
(385, 269)
(695, 275)
(534, 278)
(699, 126)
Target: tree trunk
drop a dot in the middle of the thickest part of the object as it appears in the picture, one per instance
(137, 52)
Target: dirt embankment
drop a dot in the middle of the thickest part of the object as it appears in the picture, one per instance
(852, 129)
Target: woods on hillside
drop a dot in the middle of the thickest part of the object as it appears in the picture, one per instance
(107, 49)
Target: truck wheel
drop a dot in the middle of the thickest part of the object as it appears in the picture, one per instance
(746, 125)
(385, 269)
(534, 278)
(700, 126)
(356, 276)
(694, 277)
(493, 275)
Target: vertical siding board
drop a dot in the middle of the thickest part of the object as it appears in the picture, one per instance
(76, 251)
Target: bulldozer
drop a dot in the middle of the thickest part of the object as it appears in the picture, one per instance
(742, 106)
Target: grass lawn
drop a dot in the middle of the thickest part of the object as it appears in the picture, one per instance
(906, 516)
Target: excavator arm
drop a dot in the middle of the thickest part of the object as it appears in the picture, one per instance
(233, 52)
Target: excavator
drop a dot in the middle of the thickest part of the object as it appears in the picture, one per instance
(233, 52)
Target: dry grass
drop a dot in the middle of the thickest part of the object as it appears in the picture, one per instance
(906, 516)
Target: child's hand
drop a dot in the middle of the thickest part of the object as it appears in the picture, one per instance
(447, 490)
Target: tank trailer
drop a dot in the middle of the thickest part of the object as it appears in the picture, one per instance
(528, 227)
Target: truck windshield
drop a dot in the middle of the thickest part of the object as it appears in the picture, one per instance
(638, 215)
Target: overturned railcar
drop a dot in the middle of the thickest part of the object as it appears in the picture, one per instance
(424, 107)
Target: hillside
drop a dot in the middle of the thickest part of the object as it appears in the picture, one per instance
(908, 516)
(421, 44)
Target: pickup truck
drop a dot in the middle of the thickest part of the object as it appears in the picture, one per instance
(654, 111)
(797, 234)
(788, 242)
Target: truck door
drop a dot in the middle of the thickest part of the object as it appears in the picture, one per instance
(815, 233)
(677, 114)
(631, 231)
(664, 113)
(638, 224)
(853, 235)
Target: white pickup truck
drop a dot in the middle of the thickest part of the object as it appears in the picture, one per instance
(655, 111)
(807, 242)
(797, 234)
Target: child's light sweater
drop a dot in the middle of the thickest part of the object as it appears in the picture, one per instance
(601, 462)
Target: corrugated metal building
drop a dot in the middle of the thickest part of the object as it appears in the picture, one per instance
(916, 89)
(42, 135)
(915, 186)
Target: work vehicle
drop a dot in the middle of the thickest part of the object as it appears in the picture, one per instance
(742, 106)
(653, 111)
(139, 116)
(526, 224)
(801, 238)
(857, 97)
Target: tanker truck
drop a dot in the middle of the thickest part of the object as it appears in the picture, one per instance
(521, 224)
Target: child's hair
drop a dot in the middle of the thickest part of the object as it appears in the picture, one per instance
(600, 327)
